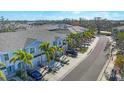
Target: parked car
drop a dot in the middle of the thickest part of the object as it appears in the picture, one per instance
(88, 44)
(93, 37)
(35, 74)
(72, 52)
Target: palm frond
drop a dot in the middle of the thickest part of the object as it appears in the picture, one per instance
(21, 55)
(2, 64)
(2, 76)
(30, 63)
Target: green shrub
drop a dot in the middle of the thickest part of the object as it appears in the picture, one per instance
(83, 50)
(21, 74)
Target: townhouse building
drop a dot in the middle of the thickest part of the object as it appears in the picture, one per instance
(29, 41)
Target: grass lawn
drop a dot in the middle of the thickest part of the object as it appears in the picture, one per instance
(122, 74)
(83, 50)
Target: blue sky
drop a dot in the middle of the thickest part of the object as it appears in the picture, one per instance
(39, 15)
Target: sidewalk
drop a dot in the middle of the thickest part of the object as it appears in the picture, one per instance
(62, 72)
(107, 67)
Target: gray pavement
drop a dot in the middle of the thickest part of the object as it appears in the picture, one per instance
(90, 68)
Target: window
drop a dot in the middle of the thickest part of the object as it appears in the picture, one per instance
(20, 65)
(54, 43)
(59, 42)
(32, 50)
(11, 69)
(6, 57)
(64, 42)
(114, 29)
(38, 62)
(24, 49)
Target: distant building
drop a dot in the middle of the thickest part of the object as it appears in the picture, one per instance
(119, 43)
(70, 28)
(115, 30)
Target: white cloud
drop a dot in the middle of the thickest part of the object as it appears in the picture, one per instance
(76, 12)
(102, 14)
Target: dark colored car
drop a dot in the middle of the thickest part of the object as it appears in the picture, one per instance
(35, 74)
(93, 37)
(73, 53)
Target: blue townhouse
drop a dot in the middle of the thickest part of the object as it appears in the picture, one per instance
(33, 48)
(29, 41)
(10, 42)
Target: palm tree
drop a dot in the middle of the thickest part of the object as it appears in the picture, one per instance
(119, 62)
(71, 40)
(2, 23)
(23, 56)
(2, 76)
(58, 51)
(76, 40)
(48, 51)
(85, 38)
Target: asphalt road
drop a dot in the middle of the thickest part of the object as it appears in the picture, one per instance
(90, 68)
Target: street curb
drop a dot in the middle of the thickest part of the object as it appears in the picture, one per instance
(103, 70)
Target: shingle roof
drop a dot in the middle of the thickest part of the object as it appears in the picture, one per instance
(10, 41)
(76, 29)
(70, 28)
(15, 40)
(29, 41)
